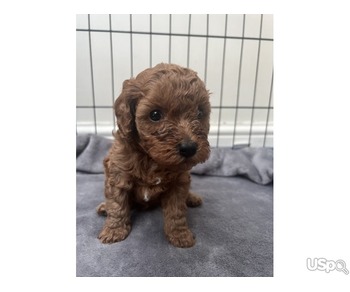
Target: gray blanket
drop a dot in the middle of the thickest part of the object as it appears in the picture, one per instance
(234, 227)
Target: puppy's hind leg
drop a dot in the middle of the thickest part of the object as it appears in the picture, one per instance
(193, 200)
(101, 209)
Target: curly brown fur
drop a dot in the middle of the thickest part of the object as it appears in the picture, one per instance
(163, 125)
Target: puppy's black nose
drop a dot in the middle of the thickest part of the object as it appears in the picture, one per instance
(187, 148)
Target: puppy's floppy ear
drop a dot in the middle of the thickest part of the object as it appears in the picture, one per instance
(125, 109)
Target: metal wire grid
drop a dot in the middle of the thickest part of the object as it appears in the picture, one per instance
(215, 142)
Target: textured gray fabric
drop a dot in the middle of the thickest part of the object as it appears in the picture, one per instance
(91, 149)
(254, 163)
(233, 227)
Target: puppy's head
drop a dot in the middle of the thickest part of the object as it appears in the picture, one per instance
(165, 110)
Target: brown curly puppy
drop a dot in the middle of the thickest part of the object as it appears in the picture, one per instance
(163, 125)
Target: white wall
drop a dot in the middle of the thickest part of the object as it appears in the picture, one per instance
(147, 50)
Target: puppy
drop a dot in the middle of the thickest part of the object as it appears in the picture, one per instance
(163, 124)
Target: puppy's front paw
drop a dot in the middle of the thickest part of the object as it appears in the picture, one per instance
(181, 238)
(111, 235)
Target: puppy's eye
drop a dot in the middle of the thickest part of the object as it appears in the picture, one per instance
(155, 115)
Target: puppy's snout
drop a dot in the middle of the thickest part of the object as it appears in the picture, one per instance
(187, 148)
